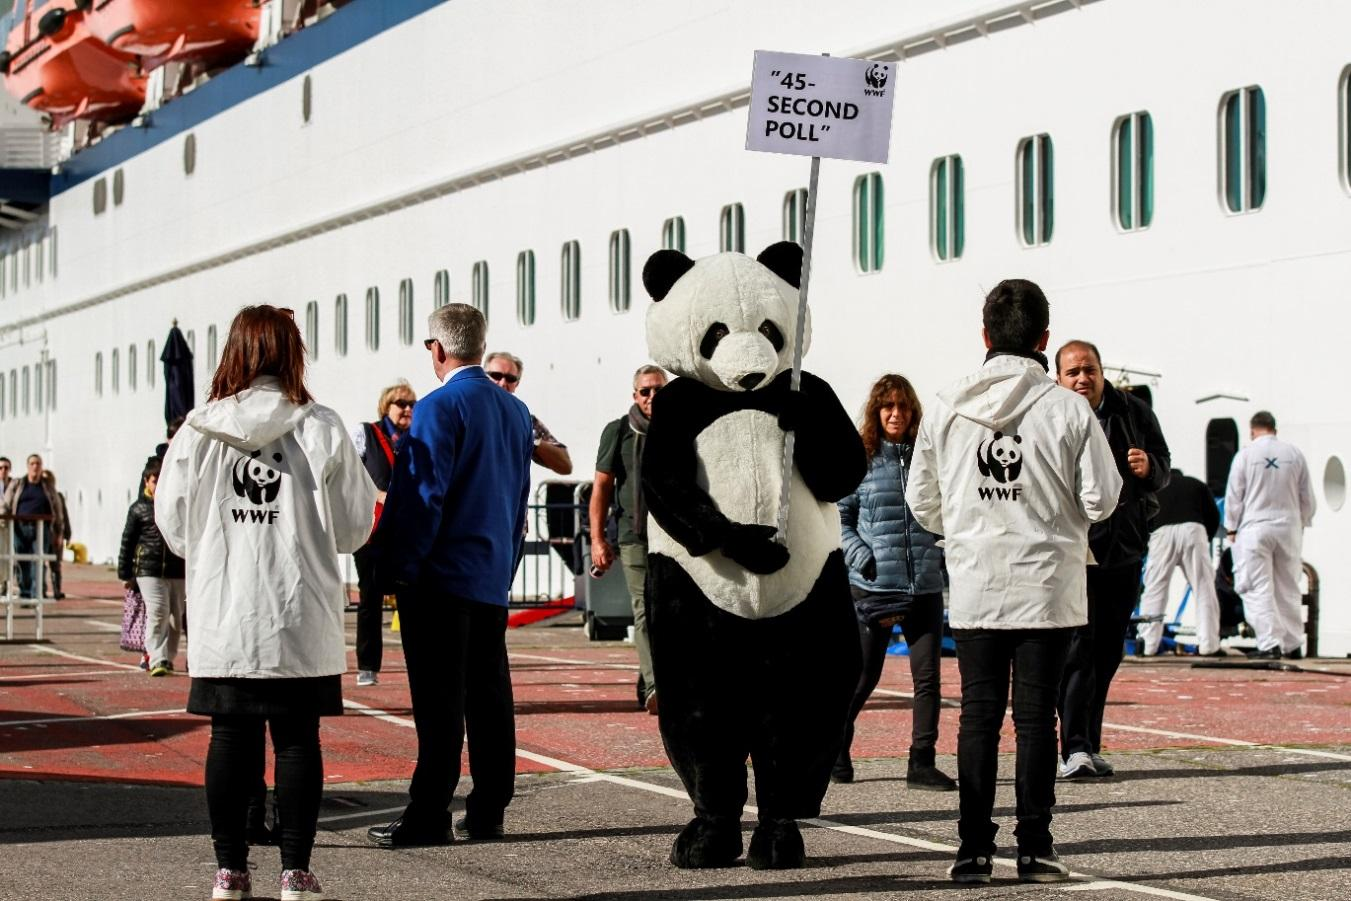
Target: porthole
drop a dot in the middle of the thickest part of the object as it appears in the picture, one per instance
(100, 196)
(306, 99)
(189, 154)
(119, 187)
(1334, 483)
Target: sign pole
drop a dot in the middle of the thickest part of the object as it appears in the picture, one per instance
(790, 440)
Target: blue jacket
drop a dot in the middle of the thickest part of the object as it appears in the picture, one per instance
(454, 518)
(876, 524)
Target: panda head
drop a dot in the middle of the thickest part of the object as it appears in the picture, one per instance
(259, 472)
(726, 320)
(1004, 450)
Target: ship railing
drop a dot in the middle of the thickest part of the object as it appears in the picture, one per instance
(9, 561)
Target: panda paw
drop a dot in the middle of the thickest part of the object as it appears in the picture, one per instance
(754, 547)
(704, 844)
(776, 845)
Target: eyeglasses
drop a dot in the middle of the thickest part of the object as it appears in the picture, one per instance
(403, 403)
(648, 390)
(507, 377)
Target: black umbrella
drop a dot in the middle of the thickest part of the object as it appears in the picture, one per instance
(177, 359)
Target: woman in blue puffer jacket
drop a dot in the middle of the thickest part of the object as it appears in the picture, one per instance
(896, 575)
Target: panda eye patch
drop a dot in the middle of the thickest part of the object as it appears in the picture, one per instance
(716, 332)
(771, 331)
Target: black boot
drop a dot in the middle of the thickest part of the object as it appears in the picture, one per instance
(921, 774)
(843, 770)
(704, 844)
(776, 845)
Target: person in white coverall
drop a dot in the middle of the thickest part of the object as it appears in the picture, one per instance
(1012, 469)
(1180, 537)
(1267, 506)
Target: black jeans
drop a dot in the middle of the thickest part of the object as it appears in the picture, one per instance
(923, 630)
(234, 771)
(1095, 653)
(26, 542)
(370, 614)
(458, 677)
(985, 657)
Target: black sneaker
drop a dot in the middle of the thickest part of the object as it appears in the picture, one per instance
(972, 869)
(928, 778)
(1042, 868)
(1102, 766)
(1296, 654)
(480, 832)
(1268, 654)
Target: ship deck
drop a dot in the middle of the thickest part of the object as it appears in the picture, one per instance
(1231, 783)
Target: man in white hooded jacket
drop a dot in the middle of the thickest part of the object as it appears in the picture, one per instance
(1011, 469)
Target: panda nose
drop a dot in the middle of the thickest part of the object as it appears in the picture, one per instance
(750, 381)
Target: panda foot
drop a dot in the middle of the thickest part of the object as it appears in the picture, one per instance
(776, 845)
(703, 844)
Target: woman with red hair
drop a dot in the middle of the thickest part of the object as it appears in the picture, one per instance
(896, 576)
(261, 490)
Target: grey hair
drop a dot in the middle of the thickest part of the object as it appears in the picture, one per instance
(461, 331)
(647, 369)
(503, 355)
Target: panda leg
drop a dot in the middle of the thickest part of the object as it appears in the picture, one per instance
(813, 660)
(698, 654)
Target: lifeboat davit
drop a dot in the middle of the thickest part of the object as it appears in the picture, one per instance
(54, 64)
(213, 32)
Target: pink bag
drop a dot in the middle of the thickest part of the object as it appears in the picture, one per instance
(133, 622)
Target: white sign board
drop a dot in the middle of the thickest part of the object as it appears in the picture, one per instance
(825, 106)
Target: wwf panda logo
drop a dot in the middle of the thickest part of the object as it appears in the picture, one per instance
(256, 480)
(1000, 457)
(876, 76)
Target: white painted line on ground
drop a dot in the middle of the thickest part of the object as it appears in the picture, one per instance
(597, 663)
(130, 715)
(69, 656)
(1088, 882)
(93, 672)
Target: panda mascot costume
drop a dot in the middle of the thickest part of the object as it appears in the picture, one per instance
(754, 642)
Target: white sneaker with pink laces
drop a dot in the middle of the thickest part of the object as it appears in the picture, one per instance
(231, 885)
(300, 885)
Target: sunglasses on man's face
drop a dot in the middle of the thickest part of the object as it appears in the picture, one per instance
(403, 403)
(428, 342)
(648, 390)
(498, 376)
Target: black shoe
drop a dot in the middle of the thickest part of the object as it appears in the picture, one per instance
(843, 770)
(972, 868)
(1101, 765)
(478, 832)
(1042, 868)
(1296, 654)
(929, 778)
(405, 834)
(1268, 654)
(776, 845)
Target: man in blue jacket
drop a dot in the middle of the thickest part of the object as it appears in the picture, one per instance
(448, 543)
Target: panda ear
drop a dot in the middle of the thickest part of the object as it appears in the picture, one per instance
(998, 435)
(662, 270)
(1017, 439)
(784, 259)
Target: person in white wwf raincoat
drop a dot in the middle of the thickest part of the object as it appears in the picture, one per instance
(1011, 469)
(261, 490)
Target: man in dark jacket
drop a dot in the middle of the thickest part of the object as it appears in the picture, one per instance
(1188, 518)
(1118, 546)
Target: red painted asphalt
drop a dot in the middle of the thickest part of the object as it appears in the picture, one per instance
(574, 702)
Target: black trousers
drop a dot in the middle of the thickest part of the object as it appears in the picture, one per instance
(234, 771)
(923, 630)
(985, 658)
(456, 651)
(370, 614)
(1095, 653)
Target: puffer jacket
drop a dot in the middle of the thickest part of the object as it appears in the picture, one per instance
(876, 524)
(143, 550)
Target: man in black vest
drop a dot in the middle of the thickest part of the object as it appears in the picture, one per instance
(1118, 546)
(376, 442)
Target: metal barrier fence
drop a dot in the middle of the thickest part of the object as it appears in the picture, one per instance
(553, 555)
(9, 560)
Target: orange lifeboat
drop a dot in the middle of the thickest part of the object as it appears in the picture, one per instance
(212, 32)
(54, 64)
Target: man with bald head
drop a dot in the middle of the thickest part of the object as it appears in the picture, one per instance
(1118, 546)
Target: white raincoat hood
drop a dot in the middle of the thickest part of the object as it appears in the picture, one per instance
(260, 496)
(1012, 469)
